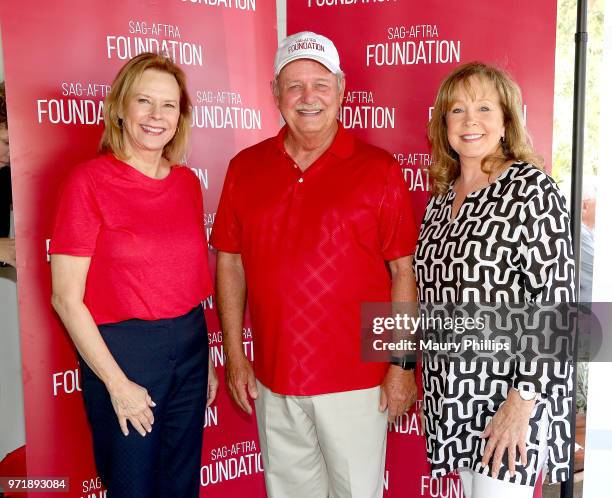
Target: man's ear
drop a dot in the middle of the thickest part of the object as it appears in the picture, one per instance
(275, 91)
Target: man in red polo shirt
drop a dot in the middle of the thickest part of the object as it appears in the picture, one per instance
(314, 222)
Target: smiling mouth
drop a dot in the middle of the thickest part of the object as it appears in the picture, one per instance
(152, 130)
(309, 112)
(472, 137)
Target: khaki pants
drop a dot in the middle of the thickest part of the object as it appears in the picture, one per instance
(330, 445)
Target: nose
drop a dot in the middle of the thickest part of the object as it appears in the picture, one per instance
(156, 110)
(308, 95)
(470, 118)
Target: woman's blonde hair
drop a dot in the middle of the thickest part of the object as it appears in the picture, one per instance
(117, 100)
(516, 145)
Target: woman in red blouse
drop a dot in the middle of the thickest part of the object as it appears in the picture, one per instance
(130, 270)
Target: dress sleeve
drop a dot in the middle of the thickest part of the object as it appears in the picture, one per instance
(396, 226)
(227, 230)
(547, 263)
(78, 218)
(547, 258)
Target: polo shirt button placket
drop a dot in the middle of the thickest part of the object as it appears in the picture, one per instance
(301, 180)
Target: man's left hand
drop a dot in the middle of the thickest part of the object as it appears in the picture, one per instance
(398, 392)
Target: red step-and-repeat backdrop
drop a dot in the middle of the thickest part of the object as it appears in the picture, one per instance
(60, 58)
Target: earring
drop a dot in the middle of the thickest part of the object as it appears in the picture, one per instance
(502, 139)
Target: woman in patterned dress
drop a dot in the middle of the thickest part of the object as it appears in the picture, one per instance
(495, 230)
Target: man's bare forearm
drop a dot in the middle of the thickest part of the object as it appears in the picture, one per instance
(403, 285)
(231, 300)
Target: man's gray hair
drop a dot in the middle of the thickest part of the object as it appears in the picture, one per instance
(339, 76)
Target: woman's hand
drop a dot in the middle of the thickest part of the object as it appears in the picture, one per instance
(507, 430)
(132, 402)
(213, 384)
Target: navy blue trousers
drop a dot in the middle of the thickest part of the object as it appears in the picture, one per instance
(170, 359)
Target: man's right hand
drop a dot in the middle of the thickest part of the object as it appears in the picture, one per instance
(240, 381)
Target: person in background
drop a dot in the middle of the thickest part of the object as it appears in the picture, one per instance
(314, 222)
(129, 272)
(587, 238)
(496, 230)
(14, 463)
(7, 244)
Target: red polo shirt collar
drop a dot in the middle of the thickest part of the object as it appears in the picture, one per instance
(342, 147)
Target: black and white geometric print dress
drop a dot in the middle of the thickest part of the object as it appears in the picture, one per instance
(510, 242)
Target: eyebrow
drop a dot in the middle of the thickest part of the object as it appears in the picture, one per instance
(453, 102)
(318, 80)
(149, 96)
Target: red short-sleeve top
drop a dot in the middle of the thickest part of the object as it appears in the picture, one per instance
(145, 237)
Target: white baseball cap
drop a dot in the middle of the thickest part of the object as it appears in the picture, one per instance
(307, 45)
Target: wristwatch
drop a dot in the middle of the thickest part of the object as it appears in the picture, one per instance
(405, 362)
(527, 395)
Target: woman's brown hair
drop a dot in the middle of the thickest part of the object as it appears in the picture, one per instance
(516, 145)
